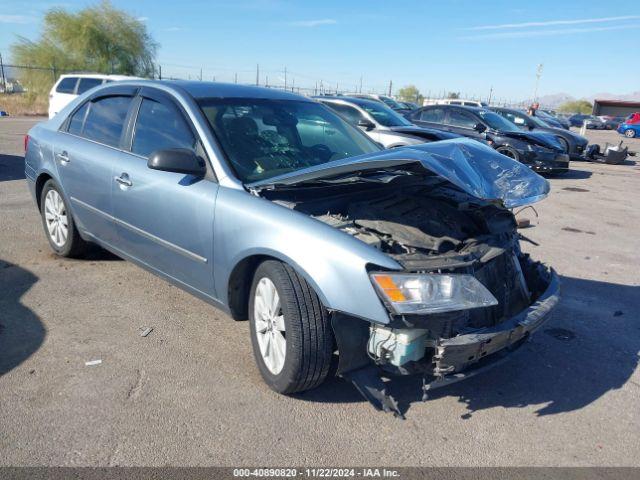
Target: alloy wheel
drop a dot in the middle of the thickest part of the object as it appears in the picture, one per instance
(55, 215)
(270, 327)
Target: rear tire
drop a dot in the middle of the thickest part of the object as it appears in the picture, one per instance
(58, 223)
(630, 133)
(298, 315)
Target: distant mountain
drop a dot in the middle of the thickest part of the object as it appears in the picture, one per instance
(555, 100)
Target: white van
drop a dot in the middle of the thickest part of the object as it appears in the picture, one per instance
(70, 86)
(461, 101)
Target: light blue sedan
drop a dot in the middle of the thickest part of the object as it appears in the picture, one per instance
(270, 206)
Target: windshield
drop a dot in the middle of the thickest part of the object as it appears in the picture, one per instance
(497, 122)
(390, 102)
(538, 122)
(383, 114)
(263, 138)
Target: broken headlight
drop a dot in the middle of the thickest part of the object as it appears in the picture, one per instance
(431, 293)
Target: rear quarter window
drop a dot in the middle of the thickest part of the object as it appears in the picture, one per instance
(76, 122)
(67, 85)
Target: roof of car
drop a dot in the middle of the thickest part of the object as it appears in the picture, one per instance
(356, 100)
(99, 75)
(199, 89)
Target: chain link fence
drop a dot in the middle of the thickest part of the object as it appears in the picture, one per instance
(34, 83)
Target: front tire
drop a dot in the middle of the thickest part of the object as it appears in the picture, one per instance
(630, 133)
(290, 329)
(58, 223)
(509, 152)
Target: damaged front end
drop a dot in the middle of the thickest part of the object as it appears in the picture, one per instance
(465, 295)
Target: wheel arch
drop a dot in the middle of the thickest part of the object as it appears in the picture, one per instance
(241, 277)
(43, 178)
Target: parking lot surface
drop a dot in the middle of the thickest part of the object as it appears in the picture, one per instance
(189, 393)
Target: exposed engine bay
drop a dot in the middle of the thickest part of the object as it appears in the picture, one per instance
(429, 226)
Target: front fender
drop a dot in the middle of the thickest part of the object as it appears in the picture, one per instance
(334, 263)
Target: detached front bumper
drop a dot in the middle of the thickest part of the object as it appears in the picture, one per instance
(548, 162)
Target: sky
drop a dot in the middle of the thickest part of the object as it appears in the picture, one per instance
(585, 47)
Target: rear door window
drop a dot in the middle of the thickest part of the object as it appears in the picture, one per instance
(160, 126)
(67, 85)
(435, 115)
(87, 84)
(105, 121)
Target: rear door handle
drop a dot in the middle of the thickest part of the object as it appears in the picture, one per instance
(63, 157)
(123, 179)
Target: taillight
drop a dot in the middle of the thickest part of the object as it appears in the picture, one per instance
(26, 143)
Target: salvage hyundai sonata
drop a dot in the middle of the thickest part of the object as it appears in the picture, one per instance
(270, 206)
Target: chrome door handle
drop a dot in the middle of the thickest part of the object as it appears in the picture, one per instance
(124, 180)
(63, 157)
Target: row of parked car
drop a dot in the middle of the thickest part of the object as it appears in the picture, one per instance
(542, 141)
(541, 145)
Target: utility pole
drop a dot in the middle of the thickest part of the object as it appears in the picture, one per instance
(490, 95)
(4, 82)
(159, 72)
(285, 77)
(360, 91)
(257, 74)
(538, 75)
(235, 78)
(390, 85)
(201, 74)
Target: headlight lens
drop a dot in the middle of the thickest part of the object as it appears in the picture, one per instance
(431, 293)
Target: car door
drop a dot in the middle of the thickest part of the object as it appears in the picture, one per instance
(463, 122)
(85, 153)
(165, 219)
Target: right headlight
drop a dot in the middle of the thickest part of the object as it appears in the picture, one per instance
(431, 293)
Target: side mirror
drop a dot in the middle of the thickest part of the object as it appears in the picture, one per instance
(480, 128)
(366, 124)
(177, 160)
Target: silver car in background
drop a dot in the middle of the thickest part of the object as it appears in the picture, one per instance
(381, 123)
(271, 207)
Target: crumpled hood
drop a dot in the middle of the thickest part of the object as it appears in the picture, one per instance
(470, 165)
(538, 138)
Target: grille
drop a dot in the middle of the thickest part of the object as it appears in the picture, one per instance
(502, 279)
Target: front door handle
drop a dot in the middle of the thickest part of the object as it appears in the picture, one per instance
(124, 180)
(63, 157)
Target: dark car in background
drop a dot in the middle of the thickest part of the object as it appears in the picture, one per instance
(540, 151)
(611, 122)
(553, 120)
(410, 105)
(381, 123)
(577, 120)
(573, 143)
